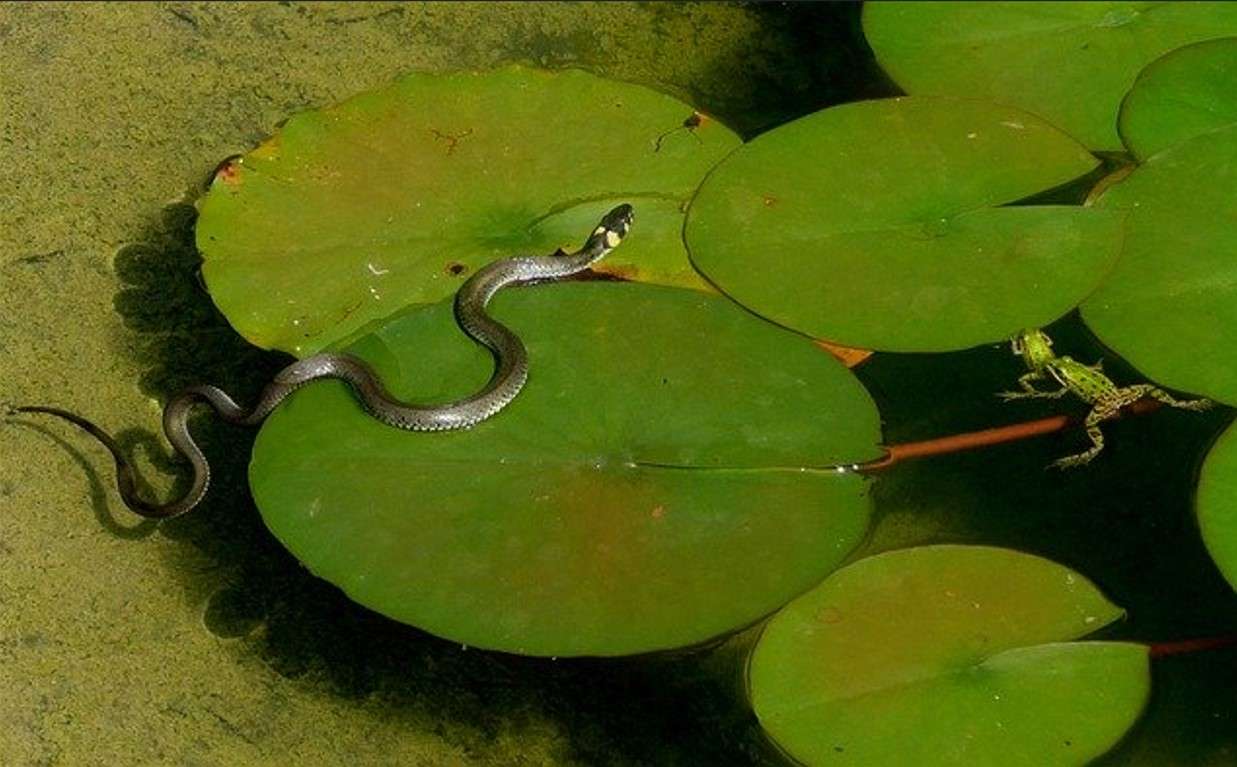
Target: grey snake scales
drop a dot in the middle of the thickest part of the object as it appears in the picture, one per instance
(509, 377)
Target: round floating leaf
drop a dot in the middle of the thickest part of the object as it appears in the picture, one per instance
(1070, 63)
(1170, 306)
(888, 239)
(1190, 91)
(349, 214)
(650, 488)
(1217, 504)
(947, 655)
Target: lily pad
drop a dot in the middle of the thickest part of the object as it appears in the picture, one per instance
(1190, 91)
(1170, 305)
(653, 486)
(947, 655)
(392, 198)
(1217, 504)
(1070, 63)
(889, 238)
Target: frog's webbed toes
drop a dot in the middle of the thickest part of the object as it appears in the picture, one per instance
(1070, 461)
(1065, 463)
(1013, 395)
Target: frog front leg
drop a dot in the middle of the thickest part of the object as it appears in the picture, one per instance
(1029, 391)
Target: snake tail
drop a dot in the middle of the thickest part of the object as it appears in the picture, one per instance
(176, 426)
(510, 373)
(126, 477)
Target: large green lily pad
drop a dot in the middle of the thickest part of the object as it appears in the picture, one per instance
(1217, 504)
(1170, 306)
(651, 487)
(888, 238)
(947, 655)
(394, 197)
(1189, 91)
(1070, 63)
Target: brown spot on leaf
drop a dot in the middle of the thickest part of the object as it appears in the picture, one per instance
(455, 268)
(226, 171)
(769, 201)
(829, 614)
(348, 312)
(848, 356)
(452, 140)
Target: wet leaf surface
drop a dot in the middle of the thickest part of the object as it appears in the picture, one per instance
(1070, 63)
(654, 485)
(1217, 504)
(892, 238)
(947, 655)
(1170, 305)
(351, 213)
(1181, 95)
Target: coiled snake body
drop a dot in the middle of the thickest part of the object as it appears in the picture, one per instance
(510, 373)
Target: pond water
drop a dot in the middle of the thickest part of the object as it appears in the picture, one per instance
(202, 641)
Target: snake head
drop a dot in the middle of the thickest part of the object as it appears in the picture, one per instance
(614, 226)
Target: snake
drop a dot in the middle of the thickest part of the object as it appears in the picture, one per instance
(510, 373)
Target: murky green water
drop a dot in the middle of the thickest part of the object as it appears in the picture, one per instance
(202, 642)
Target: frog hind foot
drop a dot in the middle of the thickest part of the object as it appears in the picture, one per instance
(1197, 405)
(1071, 461)
(1097, 441)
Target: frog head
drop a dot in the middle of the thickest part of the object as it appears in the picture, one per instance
(1035, 348)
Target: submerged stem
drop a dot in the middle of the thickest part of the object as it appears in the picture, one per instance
(956, 443)
(1186, 646)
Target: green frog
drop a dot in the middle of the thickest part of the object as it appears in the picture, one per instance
(1088, 382)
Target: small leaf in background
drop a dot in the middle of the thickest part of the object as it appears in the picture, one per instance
(1217, 504)
(1170, 305)
(947, 655)
(874, 225)
(1070, 63)
(348, 214)
(1189, 91)
(652, 487)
